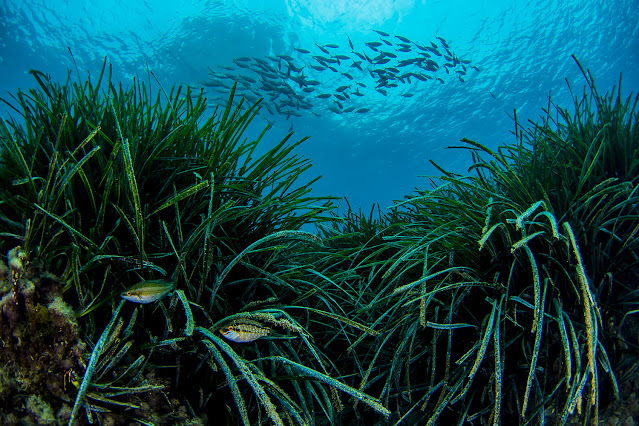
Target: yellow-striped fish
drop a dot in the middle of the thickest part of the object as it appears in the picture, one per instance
(148, 291)
(244, 333)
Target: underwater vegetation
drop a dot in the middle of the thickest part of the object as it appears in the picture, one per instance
(157, 271)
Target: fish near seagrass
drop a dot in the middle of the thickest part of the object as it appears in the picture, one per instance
(244, 333)
(148, 291)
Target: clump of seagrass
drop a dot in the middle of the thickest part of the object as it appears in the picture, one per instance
(532, 327)
(124, 185)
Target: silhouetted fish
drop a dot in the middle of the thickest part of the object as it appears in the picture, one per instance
(350, 43)
(443, 42)
(322, 49)
(361, 56)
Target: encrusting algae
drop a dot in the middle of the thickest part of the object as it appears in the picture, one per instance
(39, 345)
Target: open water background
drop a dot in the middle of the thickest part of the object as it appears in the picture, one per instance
(522, 50)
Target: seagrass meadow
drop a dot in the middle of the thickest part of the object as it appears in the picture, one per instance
(505, 296)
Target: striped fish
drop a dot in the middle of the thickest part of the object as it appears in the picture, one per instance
(148, 291)
(244, 333)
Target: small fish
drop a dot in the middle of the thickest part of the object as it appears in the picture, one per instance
(302, 50)
(148, 291)
(331, 46)
(362, 110)
(244, 333)
(443, 41)
(404, 39)
(382, 33)
(322, 49)
(350, 43)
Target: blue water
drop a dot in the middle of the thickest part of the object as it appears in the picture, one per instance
(521, 49)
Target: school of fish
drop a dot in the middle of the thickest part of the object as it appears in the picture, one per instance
(331, 79)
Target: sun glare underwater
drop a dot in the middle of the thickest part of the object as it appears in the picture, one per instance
(319, 212)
